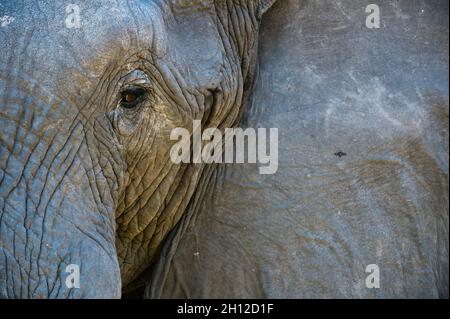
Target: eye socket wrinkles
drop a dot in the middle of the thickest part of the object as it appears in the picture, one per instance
(134, 94)
(135, 87)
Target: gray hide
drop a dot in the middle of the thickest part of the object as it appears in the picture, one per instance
(332, 85)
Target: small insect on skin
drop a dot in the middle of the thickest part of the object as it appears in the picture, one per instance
(340, 154)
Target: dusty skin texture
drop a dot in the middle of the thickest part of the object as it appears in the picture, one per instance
(85, 121)
(85, 176)
(331, 85)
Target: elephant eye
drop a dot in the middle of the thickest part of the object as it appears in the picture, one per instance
(131, 97)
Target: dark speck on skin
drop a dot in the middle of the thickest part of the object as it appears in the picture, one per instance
(340, 154)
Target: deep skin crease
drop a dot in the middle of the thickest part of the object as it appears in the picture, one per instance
(85, 120)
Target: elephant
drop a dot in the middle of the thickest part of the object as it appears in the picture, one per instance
(362, 182)
(90, 94)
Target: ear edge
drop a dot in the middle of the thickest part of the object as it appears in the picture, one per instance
(263, 6)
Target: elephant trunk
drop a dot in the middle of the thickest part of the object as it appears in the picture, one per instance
(57, 223)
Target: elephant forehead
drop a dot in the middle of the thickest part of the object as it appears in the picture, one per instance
(113, 32)
(136, 23)
(42, 41)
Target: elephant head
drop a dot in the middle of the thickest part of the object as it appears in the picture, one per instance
(85, 119)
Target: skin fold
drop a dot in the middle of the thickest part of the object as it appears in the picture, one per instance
(85, 121)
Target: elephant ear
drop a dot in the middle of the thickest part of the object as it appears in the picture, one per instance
(262, 6)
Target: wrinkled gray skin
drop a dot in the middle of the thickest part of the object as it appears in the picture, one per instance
(84, 181)
(84, 178)
(330, 84)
